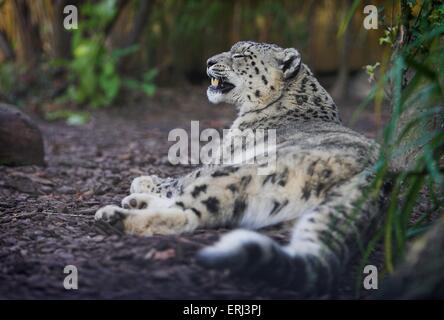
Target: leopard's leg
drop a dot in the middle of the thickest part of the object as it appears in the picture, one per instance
(164, 220)
(143, 186)
(323, 239)
(225, 196)
(153, 184)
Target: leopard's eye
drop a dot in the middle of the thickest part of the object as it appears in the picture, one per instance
(237, 55)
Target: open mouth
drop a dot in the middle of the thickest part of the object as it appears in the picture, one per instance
(221, 85)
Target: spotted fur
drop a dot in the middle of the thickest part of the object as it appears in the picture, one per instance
(322, 170)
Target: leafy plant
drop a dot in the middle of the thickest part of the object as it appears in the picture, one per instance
(389, 36)
(412, 143)
(415, 133)
(146, 86)
(371, 69)
(94, 69)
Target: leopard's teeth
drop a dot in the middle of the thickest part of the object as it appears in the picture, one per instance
(214, 82)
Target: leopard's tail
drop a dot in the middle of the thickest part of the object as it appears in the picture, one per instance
(322, 242)
(249, 254)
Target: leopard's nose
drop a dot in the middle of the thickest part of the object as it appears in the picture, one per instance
(211, 62)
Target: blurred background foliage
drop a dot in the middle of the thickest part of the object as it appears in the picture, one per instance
(123, 45)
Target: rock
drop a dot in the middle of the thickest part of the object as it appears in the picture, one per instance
(21, 141)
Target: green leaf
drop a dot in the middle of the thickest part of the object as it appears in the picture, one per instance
(150, 75)
(71, 117)
(122, 52)
(76, 119)
(345, 22)
(149, 89)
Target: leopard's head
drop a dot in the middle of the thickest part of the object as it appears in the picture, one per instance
(251, 73)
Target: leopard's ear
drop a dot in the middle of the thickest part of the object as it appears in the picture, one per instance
(289, 61)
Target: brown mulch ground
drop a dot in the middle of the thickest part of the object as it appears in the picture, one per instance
(46, 213)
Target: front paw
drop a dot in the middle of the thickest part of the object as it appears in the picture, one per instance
(112, 215)
(145, 184)
(146, 201)
(137, 201)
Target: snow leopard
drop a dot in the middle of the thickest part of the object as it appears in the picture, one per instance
(317, 186)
